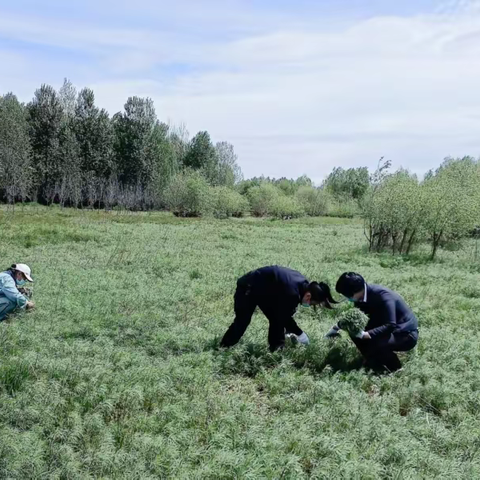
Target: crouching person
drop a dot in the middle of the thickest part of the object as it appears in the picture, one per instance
(11, 283)
(277, 291)
(392, 326)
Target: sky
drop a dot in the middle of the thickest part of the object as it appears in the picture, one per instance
(298, 87)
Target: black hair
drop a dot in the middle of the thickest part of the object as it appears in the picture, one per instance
(349, 284)
(321, 293)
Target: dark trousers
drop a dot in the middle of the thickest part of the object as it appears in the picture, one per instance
(380, 351)
(245, 303)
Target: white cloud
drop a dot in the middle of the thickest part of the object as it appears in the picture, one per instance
(293, 100)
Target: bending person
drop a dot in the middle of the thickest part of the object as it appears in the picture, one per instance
(392, 325)
(11, 283)
(277, 291)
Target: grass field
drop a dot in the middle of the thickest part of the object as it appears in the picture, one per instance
(116, 374)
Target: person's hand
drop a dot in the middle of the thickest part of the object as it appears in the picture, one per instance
(30, 305)
(366, 336)
(333, 333)
(303, 339)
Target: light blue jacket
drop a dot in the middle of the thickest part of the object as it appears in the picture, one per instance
(9, 291)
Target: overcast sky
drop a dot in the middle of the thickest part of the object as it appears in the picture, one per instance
(297, 86)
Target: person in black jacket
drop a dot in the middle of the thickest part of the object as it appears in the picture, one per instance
(392, 326)
(277, 291)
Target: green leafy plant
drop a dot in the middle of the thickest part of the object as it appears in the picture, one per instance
(187, 195)
(353, 321)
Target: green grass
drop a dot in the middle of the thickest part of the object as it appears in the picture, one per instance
(116, 373)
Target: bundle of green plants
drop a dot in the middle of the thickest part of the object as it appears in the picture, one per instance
(353, 321)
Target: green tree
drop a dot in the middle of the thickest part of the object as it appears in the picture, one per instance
(15, 150)
(68, 98)
(94, 133)
(315, 201)
(163, 161)
(245, 185)
(394, 213)
(188, 195)
(202, 156)
(178, 138)
(263, 198)
(286, 206)
(286, 186)
(303, 181)
(45, 116)
(228, 172)
(351, 183)
(70, 187)
(139, 141)
(452, 201)
(228, 202)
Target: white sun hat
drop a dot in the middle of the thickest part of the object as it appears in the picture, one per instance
(25, 269)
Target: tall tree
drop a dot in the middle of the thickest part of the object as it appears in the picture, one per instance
(353, 182)
(69, 189)
(164, 163)
(451, 200)
(15, 150)
(178, 137)
(45, 120)
(228, 171)
(95, 138)
(134, 129)
(68, 98)
(202, 155)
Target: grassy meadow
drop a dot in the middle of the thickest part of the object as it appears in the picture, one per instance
(116, 373)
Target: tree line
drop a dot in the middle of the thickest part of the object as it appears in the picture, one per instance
(62, 148)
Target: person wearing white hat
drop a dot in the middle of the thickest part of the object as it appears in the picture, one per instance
(11, 297)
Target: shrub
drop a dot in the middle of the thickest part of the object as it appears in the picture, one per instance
(262, 198)
(393, 211)
(352, 183)
(343, 207)
(284, 206)
(228, 203)
(315, 201)
(452, 201)
(187, 195)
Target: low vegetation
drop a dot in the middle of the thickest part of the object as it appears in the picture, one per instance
(116, 374)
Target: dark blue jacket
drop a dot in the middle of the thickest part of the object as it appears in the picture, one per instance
(277, 287)
(387, 311)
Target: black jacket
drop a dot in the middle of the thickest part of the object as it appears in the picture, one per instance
(387, 311)
(277, 287)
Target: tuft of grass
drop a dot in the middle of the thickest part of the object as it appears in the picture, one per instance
(13, 375)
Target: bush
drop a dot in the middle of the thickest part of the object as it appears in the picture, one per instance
(266, 199)
(452, 201)
(351, 183)
(393, 212)
(284, 206)
(344, 208)
(228, 203)
(315, 201)
(187, 195)
(399, 211)
(262, 198)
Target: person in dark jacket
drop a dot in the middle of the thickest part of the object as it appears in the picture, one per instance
(392, 326)
(277, 291)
